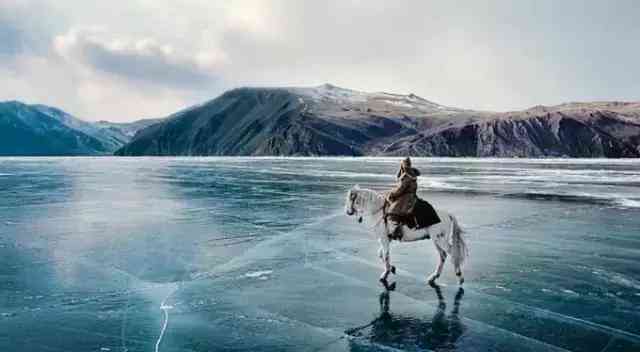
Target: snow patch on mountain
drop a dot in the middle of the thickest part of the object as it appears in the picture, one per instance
(376, 101)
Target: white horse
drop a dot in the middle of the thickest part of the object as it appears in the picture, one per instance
(447, 236)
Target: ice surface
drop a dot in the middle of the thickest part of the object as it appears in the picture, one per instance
(208, 254)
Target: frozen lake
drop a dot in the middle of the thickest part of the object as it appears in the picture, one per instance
(256, 254)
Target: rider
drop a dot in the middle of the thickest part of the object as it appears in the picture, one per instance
(403, 197)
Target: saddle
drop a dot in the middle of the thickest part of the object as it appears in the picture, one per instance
(423, 215)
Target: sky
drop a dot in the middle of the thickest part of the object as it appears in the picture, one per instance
(125, 60)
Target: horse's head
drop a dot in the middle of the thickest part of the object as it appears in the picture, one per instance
(353, 203)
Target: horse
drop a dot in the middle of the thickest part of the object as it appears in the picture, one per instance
(447, 235)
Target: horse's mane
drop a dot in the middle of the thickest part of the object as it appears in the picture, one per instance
(370, 196)
(371, 193)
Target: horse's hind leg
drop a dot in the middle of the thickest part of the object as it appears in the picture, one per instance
(459, 274)
(436, 274)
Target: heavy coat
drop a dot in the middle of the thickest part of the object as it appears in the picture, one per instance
(403, 197)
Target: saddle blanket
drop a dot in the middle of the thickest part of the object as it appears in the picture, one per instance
(423, 215)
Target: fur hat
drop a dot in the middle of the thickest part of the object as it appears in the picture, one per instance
(406, 163)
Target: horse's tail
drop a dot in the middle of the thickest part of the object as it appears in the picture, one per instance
(459, 249)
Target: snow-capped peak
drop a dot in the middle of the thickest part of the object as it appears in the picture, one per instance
(331, 94)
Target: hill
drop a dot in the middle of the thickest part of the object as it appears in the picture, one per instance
(329, 120)
(43, 130)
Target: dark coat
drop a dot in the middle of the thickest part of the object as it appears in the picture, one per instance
(403, 197)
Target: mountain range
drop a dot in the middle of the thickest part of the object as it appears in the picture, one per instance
(329, 120)
(38, 130)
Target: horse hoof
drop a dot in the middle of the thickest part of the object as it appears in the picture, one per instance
(393, 270)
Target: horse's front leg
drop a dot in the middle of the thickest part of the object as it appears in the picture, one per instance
(384, 255)
(436, 274)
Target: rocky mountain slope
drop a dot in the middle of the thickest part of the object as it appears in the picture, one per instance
(329, 120)
(123, 132)
(44, 130)
(606, 131)
(324, 120)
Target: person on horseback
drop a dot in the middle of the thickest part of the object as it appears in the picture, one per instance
(402, 198)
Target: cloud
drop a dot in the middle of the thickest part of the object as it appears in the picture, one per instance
(493, 55)
(11, 37)
(121, 60)
(23, 28)
(142, 60)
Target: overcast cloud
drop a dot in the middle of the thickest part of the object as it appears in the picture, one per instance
(123, 60)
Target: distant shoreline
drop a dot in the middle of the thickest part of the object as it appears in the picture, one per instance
(328, 157)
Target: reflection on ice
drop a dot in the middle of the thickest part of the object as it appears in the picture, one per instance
(439, 332)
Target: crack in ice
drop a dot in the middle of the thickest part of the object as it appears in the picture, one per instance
(165, 309)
